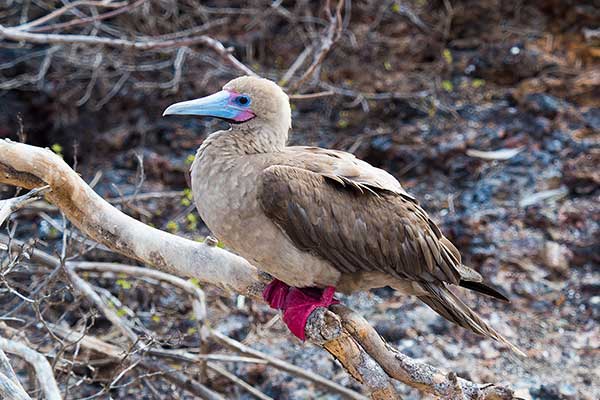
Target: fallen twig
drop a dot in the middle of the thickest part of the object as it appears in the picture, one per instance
(240, 382)
(198, 303)
(42, 368)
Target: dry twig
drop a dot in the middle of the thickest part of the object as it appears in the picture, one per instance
(10, 389)
(332, 35)
(9, 206)
(20, 35)
(42, 368)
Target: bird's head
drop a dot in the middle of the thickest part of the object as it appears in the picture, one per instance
(246, 101)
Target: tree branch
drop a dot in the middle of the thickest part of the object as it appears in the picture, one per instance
(30, 167)
(42, 368)
(332, 35)
(344, 334)
(10, 389)
(19, 35)
(9, 206)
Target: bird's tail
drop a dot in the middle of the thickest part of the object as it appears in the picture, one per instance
(445, 303)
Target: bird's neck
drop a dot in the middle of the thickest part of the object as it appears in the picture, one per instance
(246, 139)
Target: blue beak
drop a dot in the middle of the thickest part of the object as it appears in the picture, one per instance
(216, 105)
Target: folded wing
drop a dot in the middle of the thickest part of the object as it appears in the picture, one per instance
(357, 224)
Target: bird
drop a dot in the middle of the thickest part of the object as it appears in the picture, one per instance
(319, 221)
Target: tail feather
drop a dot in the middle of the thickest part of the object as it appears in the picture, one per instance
(484, 288)
(445, 303)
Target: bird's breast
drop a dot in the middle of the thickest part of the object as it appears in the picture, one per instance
(225, 192)
(225, 195)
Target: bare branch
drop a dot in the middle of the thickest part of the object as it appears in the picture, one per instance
(285, 366)
(199, 307)
(118, 353)
(9, 206)
(57, 13)
(85, 20)
(6, 368)
(310, 96)
(295, 65)
(10, 389)
(406, 11)
(240, 382)
(42, 368)
(29, 167)
(414, 373)
(333, 34)
(140, 45)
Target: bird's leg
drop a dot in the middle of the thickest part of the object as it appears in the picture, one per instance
(297, 303)
(275, 294)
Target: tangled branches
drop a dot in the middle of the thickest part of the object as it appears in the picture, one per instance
(99, 53)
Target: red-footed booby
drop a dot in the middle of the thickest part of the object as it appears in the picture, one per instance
(317, 220)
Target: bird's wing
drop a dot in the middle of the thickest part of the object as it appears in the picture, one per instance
(332, 215)
(346, 168)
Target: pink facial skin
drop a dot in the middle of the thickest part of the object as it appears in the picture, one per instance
(244, 116)
(244, 113)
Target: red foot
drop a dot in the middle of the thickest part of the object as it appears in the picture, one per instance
(297, 303)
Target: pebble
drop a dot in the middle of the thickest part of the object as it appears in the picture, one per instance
(543, 104)
(488, 351)
(563, 391)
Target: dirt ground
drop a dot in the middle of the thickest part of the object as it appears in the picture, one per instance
(488, 112)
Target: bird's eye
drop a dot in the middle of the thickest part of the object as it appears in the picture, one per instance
(243, 100)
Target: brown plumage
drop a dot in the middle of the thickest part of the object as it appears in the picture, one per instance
(317, 217)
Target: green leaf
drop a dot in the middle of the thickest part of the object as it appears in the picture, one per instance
(124, 283)
(156, 318)
(192, 221)
(190, 159)
(477, 83)
(172, 226)
(57, 148)
(447, 56)
(343, 123)
(121, 312)
(447, 86)
(194, 281)
(53, 233)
